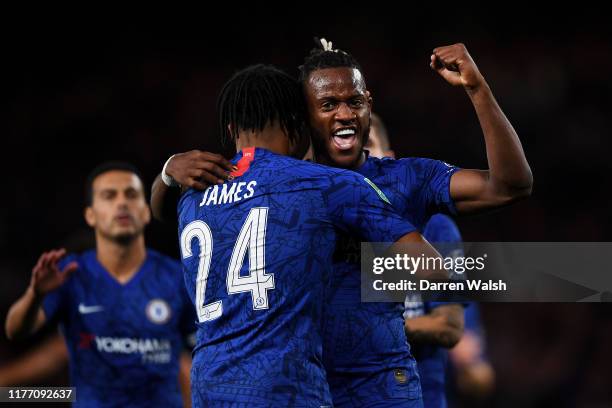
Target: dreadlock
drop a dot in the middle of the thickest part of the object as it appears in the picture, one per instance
(323, 56)
(258, 95)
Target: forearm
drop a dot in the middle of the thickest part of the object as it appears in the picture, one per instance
(193, 169)
(508, 167)
(25, 316)
(414, 245)
(436, 329)
(163, 199)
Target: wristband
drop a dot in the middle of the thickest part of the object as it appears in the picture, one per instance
(168, 180)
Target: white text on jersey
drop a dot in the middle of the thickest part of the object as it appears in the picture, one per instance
(228, 193)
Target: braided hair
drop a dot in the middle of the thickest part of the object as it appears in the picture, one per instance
(324, 56)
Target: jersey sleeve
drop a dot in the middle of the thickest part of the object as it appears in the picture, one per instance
(357, 206)
(55, 303)
(434, 177)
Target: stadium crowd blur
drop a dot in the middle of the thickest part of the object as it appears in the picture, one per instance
(74, 97)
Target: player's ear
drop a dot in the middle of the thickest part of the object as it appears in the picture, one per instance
(147, 215)
(368, 96)
(90, 217)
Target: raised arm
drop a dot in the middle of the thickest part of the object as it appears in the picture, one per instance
(509, 177)
(26, 315)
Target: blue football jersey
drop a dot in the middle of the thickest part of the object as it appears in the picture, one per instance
(363, 339)
(257, 253)
(124, 340)
(432, 360)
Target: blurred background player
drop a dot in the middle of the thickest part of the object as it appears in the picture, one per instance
(259, 339)
(434, 327)
(50, 359)
(429, 334)
(431, 327)
(378, 144)
(122, 307)
(471, 373)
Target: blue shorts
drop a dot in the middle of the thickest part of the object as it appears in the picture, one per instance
(391, 388)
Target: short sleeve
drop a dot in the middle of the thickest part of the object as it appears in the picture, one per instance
(427, 183)
(439, 174)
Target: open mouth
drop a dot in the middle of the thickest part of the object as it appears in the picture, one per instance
(345, 139)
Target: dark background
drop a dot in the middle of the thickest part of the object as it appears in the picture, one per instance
(79, 91)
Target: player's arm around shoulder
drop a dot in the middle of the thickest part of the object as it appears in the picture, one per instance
(27, 315)
(194, 169)
(362, 208)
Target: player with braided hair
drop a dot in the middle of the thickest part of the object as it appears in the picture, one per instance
(361, 367)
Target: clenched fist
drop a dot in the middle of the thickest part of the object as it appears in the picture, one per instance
(454, 63)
